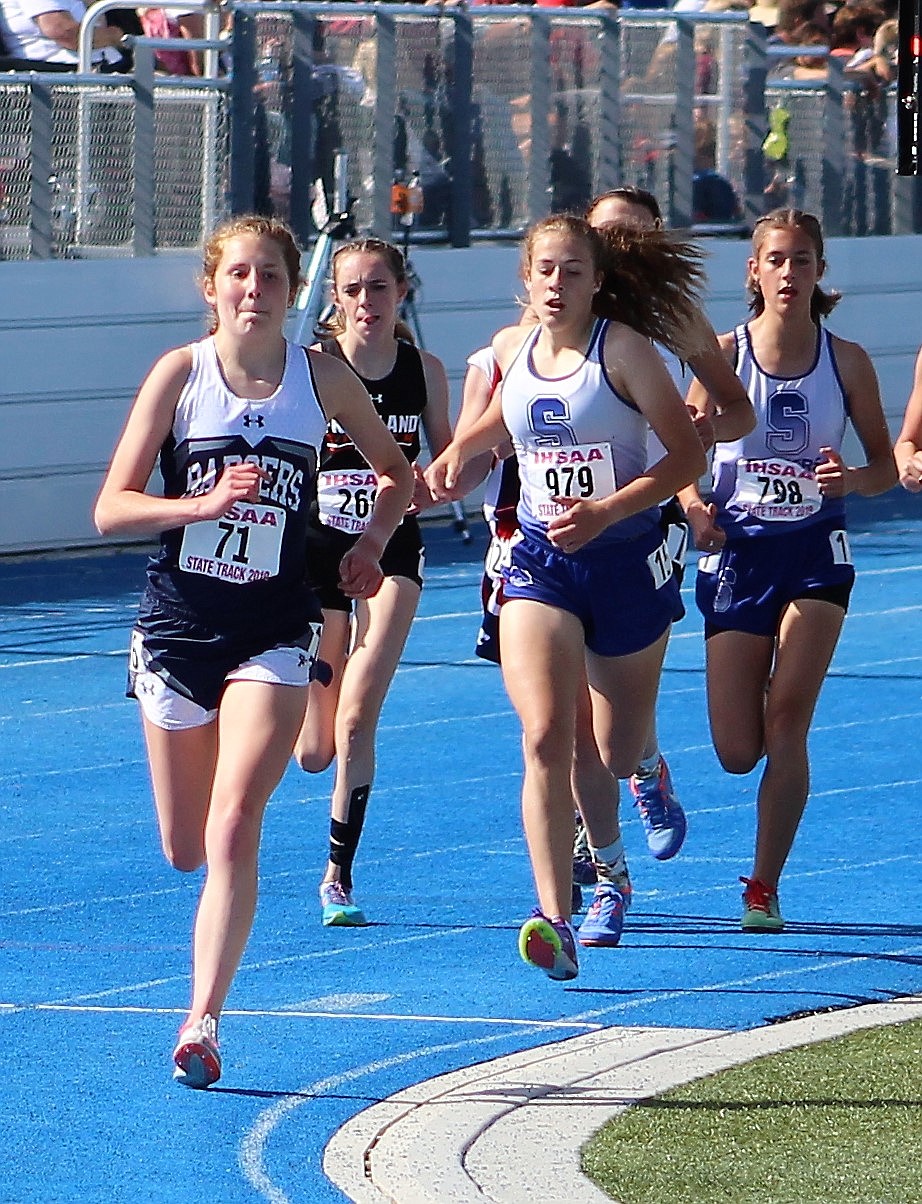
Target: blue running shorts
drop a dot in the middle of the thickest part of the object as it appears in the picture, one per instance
(624, 593)
(747, 585)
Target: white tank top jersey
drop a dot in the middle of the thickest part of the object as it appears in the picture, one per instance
(574, 437)
(681, 377)
(766, 481)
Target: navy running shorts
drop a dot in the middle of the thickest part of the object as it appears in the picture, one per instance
(747, 585)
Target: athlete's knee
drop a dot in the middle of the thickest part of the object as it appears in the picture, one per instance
(547, 743)
(183, 856)
(355, 728)
(233, 831)
(313, 757)
(738, 759)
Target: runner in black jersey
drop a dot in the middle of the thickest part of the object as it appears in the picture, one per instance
(227, 634)
(363, 638)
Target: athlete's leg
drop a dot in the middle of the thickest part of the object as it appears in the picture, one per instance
(594, 787)
(739, 667)
(182, 769)
(315, 748)
(541, 644)
(623, 691)
(807, 638)
(382, 624)
(257, 726)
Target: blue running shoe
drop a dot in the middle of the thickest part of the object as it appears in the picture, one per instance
(197, 1058)
(604, 919)
(339, 909)
(549, 946)
(660, 812)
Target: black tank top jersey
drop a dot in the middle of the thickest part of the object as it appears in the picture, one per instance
(399, 398)
(218, 576)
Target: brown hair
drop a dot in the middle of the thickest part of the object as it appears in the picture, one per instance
(634, 195)
(395, 264)
(262, 227)
(651, 279)
(821, 302)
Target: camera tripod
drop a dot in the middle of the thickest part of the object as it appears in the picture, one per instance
(339, 227)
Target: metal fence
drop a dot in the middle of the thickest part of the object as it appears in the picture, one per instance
(503, 114)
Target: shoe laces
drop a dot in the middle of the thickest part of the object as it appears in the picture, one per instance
(652, 799)
(335, 892)
(758, 895)
(604, 896)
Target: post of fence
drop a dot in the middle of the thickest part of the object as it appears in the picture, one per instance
(610, 171)
(302, 123)
(539, 160)
(242, 113)
(756, 122)
(142, 164)
(833, 176)
(382, 153)
(461, 150)
(41, 234)
(681, 154)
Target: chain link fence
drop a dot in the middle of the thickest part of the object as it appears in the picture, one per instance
(500, 115)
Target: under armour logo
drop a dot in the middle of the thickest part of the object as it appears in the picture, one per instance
(254, 420)
(377, 398)
(302, 660)
(146, 687)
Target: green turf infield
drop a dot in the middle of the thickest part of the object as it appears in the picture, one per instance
(839, 1121)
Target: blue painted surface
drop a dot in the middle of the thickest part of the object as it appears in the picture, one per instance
(94, 927)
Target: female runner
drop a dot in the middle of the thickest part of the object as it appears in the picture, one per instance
(363, 638)
(227, 631)
(591, 576)
(775, 585)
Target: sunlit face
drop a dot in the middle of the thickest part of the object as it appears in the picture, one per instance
(622, 212)
(367, 292)
(561, 278)
(786, 268)
(250, 289)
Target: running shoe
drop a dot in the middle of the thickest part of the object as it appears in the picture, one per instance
(660, 812)
(760, 907)
(604, 919)
(197, 1057)
(338, 907)
(549, 946)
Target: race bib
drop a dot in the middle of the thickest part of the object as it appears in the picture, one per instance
(583, 471)
(775, 491)
(244, 545)
(499, 554)
(660, 565)
(346, 499)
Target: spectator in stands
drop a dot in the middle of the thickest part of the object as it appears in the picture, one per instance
(794, 16)
(47, 31)
(158, 23)
(713, 197)
(804, 66)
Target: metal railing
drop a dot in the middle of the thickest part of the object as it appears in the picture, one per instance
(504, 113)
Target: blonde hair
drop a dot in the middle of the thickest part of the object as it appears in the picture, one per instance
(822, 303)
(261, 227)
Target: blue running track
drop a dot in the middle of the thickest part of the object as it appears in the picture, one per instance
(94, 927)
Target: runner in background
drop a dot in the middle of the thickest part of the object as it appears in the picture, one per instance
(775, 581)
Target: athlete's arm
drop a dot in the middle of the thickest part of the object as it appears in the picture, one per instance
(344, 398)
(123, 507)
(436, 424)
(726, 404)
(834, 477)
(908, 447)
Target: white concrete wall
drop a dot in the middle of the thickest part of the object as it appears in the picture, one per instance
(76, 339)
